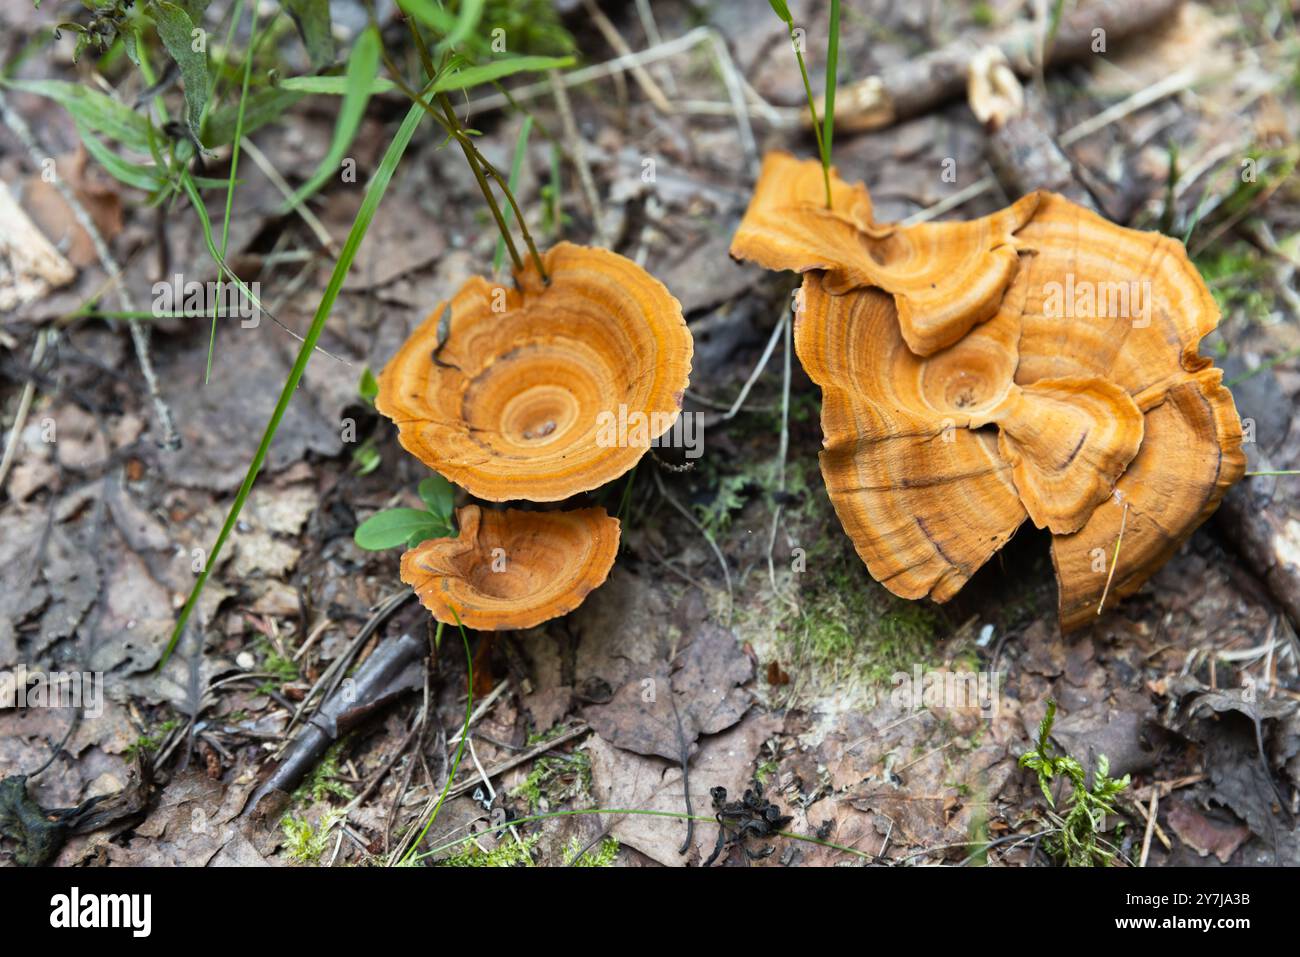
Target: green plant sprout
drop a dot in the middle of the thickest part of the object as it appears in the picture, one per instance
(823, 130)
(1074, 837)
(408, 527)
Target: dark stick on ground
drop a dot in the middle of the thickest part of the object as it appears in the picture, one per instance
(392, 670)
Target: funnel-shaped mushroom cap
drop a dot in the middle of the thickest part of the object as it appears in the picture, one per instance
(945, 277)
(512, 569)
(1190, 457)
(1067, 441)
(519, 398)
(925, 499)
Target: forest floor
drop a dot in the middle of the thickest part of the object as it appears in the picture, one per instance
(734, 574)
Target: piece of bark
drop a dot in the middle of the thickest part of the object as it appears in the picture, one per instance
(919, 85)
(390, 671)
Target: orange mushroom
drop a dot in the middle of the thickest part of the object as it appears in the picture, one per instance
(1102, 300)
(925, 498)
(1104, 419)
(508, 392)
(511, 569)
(944, 277)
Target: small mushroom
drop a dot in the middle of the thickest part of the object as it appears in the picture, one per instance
(512, 569)
(945, 277)
(512, 397)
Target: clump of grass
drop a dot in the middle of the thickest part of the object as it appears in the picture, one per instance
(1075, 834)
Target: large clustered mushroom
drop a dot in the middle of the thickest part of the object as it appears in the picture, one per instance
(503, 391)
(1038, 363)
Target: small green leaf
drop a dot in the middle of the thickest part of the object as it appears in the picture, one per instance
(138, 175)
(439, 494)
(363, 66)
(99, 112)
(368, 387)
(367, 459)
(395, 527)
(312, 18)
(176, 30)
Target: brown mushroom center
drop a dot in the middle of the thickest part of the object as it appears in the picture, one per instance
(491, 569)
(950, 388)
(534, 396)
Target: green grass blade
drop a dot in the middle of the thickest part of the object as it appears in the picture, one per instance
(832, 74)
(516, 168)
(138, 175)
(507, 66)
(453, 80)
(334, 85)
(374, 193)
(781, 10)
(230, 186)
(264, 106)
(363, 67)
(460, 748)
(430, 13)
(471, 11)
